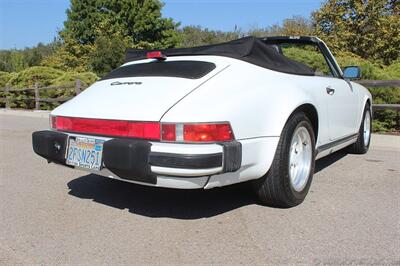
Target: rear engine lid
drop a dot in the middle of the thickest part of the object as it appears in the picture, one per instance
(143, 90)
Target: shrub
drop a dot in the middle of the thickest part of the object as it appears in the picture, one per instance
(309, 57)
(37, 74)
(67, 78)
(44, 76)
(86, 78)
(4, 78)
(394, 70)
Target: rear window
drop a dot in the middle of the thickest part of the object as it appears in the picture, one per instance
(178, 69)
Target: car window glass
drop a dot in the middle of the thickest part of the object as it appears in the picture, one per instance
(309, 55)
(178, 69)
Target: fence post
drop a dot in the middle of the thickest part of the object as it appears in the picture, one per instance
(77, 86)
(8, 104)
(37, 97)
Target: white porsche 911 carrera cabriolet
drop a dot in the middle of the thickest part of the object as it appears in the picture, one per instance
(211, 116)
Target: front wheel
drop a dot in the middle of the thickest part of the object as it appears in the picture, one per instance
(289, 178)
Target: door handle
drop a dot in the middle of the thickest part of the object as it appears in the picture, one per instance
(330, 91)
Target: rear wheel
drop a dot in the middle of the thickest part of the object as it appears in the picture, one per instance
(289, 178)
(361, 146)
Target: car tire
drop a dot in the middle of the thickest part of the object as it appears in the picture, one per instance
(361, 146)
(282, 186)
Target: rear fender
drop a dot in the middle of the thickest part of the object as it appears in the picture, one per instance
(365, 97)
(255, 107)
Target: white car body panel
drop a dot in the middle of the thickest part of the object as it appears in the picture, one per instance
(145, 102)
(257, 105)
(256, 160)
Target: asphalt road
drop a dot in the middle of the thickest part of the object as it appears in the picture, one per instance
(55, 215)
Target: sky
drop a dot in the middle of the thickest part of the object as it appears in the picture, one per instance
(25, 23)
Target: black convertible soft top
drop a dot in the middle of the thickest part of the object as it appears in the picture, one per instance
(249, 49)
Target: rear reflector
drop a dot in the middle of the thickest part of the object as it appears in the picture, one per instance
(120, 128)
(171, 132)
(168, 132)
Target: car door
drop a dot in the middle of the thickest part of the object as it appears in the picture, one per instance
(342, 108)
(331, 90)
(342, 100)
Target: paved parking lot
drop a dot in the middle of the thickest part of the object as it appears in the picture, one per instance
(55, 215)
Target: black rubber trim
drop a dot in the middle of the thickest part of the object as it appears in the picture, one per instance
(129, 159)
(50, 145)
(186, 161)
(336, 143)
(232, 156)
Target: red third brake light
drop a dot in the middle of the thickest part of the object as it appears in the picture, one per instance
(156, 55)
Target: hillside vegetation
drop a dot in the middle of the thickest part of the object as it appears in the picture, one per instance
(42, 76)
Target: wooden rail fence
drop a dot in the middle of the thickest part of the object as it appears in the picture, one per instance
(79, 87)
(382, 84)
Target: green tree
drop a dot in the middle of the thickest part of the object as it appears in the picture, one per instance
(108, 53)
(368, 28)
(140, 20)
(70, 56)
(97, 32)
(196, 36)
(297, 26)
(17, 60)
(5, 61)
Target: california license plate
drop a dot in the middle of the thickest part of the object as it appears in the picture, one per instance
(85, 152)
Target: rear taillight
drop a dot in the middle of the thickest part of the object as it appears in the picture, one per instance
(197, 132)
(105, 127)
(169, 132)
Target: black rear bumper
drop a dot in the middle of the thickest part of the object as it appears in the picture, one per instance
(132, 159)
(50, 145)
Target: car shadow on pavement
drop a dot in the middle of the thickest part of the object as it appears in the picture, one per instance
(329, 160)
(161, 202)
(171, 203)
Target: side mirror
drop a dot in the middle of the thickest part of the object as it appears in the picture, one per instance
(352, 72)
